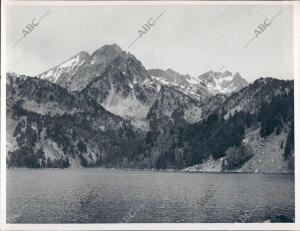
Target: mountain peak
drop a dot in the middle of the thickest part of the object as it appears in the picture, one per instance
(69, 66)
(81, 69)
(83, 53)
(171, 71)
(237, 75)
(108, 50)
(239, 80)
(227, 73)
(106, 54)
(222, 83)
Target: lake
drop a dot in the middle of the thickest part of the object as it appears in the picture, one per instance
(113, 196)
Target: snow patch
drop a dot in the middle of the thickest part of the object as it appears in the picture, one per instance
(228, 78)
(193, 80)
(70, 65)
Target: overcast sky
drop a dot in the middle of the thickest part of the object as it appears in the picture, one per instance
(188, 39)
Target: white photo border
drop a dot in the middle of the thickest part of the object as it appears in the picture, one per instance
(153, 226)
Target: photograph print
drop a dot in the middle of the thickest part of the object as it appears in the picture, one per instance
(131, 113)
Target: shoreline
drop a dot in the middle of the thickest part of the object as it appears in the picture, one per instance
(153, 170)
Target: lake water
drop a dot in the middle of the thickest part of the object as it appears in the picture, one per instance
(112, 196)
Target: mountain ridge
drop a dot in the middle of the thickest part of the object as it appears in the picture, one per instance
(106, 109)
(68, 76)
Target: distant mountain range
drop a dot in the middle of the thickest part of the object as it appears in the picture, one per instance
(210, 83)
(106, 109)
(78, 71)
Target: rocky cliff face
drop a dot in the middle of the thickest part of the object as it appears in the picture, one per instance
(106, 109)
(121, 90)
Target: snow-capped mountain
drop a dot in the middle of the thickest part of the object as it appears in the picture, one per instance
(224, 83)
(65, 69)
(121, 84)
(184, 83)
(77, 72)
(210, 83)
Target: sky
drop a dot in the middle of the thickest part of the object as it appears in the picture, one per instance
(188, 39)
